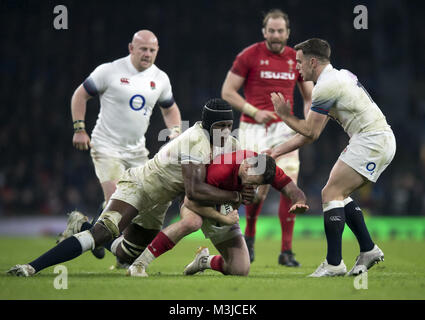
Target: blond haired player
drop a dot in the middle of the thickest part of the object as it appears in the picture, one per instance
(128, 89)
(260, 69)
(179, 168)
(339, 95)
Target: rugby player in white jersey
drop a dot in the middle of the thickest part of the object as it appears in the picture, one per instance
(338, 94)
(128, 88)
(177, 169)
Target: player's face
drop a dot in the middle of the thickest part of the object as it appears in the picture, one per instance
(221, 132)
(143, 54)
(304, 66)
(276, 34)
(248, 177)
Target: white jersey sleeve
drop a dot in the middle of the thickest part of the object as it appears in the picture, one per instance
(166, 98)
(97, 82)
(339, 94)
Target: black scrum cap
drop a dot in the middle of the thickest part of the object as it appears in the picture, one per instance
(215, 110)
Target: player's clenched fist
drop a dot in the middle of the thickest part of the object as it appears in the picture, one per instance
(81, 140)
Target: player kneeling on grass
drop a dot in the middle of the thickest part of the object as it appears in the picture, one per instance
(229, 172)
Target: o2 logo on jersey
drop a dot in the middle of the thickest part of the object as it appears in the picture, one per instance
(371, 167)
(137, 102)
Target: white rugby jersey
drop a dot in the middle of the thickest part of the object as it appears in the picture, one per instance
(162, 176)
(127, 98)
(340, 95)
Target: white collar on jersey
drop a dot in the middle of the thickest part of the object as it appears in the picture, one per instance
(325, 70)
(132, 68)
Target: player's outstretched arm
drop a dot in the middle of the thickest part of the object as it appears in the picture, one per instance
(297, 197)
(211, 213)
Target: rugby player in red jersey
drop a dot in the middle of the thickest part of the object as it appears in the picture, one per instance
(231, 172)
(262, 68)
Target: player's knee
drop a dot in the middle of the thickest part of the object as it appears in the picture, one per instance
(191, 225)
(123, 256)
(127, 251)
(101, 234)
(239, 270)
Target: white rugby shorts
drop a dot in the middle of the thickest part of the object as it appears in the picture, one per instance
(258, 137)
(370, 153)
(218, 233)
(109, 166)
(151, 211)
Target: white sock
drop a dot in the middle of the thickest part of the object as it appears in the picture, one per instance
(145, 258)
(86, 240)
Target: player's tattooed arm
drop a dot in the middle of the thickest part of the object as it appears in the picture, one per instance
(197, 189)
(297, 197)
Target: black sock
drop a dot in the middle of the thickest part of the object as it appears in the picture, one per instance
(66, 250)
(355, 221)
(334, 227)
(86, 226)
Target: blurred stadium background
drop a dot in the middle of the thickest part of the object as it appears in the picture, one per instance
(42, 176)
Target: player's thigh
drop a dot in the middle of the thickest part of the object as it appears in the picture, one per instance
(106, 166)
(108, 188)
(251, 136)
(343, 180)
(290, 164)
(235, 254)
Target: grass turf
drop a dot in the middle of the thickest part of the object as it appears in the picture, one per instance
(401, 276)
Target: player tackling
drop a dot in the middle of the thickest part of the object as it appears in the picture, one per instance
(339, 95)
(228, 172)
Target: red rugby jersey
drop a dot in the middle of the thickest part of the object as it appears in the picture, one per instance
(223, 172)
(266, 72)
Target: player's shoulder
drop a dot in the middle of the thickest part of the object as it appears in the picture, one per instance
(158, 73)
(290, 51)
(253, 49)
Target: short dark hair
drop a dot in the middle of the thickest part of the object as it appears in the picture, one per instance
(315, 47)
(268, 171)
(275, 13)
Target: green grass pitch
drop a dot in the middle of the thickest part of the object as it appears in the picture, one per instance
(400, 276)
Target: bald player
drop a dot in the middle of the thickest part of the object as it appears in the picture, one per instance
(128, 88)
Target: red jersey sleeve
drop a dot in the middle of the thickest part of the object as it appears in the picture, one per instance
(241, 65)
(280, 179)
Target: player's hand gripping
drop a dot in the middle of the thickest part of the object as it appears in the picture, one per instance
(230, 219)
(281, 106)
(248, 194)
(298, 208)
(81, 140)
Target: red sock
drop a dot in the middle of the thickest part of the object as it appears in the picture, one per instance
(252, 212)
(217, 263)
(287, 222)
(160, 244)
